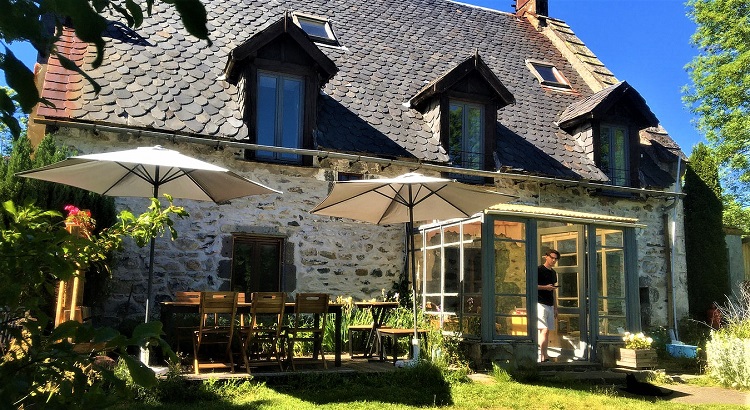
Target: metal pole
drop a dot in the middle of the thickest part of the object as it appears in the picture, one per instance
(413, 262)
(149, 286)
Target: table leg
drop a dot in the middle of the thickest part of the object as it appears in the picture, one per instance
(337, 338)
(378, 317)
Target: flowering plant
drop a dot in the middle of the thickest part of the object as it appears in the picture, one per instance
(81, 217)
(637, 341)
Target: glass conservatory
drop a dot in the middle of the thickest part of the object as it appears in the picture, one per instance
(478, 277)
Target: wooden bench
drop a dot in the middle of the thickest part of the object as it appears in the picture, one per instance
(364, 338)
(393, 334)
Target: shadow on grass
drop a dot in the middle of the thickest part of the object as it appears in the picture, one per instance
(422, 385)
(563, 381)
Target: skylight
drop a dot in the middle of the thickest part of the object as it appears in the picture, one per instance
(319, 29)
(548, 74)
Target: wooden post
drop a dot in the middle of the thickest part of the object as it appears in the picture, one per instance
(70, 292)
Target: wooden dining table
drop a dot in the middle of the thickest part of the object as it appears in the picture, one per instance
(169, 309)
(379, 312)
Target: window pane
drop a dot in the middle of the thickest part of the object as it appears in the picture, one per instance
(456, 125)
(465, 139)
(313, 28)
(452, 234)
(280, 111)
(614, 154)
(547, 73)
(567, 293)
(510, 230)
(610, 263)
(291, 128)
(510, 278)
(432, 271)
(256, 265)
(473, 270)
(452, 268)
(473, 138)
(266, 112)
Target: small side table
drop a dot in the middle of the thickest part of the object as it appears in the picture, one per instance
(394, 334)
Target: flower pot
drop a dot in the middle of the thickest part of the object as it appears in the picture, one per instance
(637, 358)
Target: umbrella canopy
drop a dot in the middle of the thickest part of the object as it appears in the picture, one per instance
(405, 199)
(147, 172)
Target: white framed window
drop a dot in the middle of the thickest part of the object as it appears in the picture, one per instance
(548, 74)
(319, 29)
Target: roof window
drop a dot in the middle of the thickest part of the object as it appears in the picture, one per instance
(318, 28)
(548, 74)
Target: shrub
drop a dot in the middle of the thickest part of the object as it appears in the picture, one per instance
(728, 351)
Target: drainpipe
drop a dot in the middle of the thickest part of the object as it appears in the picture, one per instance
(670, 231)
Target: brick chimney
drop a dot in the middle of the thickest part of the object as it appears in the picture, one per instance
(534, 7)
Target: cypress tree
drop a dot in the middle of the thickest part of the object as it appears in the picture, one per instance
(707, 260)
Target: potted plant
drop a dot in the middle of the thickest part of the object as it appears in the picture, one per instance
(79, 221)
(637, 353)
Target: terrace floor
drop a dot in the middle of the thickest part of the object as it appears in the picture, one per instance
(349, 365)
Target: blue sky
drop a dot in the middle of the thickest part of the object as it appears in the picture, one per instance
(644, 42)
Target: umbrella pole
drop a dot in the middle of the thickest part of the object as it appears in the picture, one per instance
(144, 350)
(149, 287)
(410, 233)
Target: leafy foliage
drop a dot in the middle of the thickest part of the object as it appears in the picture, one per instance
(48, 195)
(707, 264)
(41, 22)
(720, 93)
(728, 351)
(58, 369)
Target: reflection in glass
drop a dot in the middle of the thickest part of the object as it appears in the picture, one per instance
(610, 263)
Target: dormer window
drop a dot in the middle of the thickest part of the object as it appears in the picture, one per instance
(548, 74)
(607, 124)
(462, 106)
(280, 72)
(319, 29)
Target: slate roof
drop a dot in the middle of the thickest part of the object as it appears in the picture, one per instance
(160, 78)
(600, 102)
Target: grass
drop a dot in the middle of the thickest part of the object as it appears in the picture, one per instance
(422, 387)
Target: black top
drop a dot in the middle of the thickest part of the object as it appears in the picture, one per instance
(547, 276)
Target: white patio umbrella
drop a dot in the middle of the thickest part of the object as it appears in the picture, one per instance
(147, 172)
(405, 199)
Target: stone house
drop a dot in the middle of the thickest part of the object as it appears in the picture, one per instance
(300, 94)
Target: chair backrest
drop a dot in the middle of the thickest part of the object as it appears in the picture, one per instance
(311, 303)
(188, 296)
(268, 302)
(307, 304)
(267, 310)
(218, 304)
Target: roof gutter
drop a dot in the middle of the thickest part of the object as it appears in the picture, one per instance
(414, 165)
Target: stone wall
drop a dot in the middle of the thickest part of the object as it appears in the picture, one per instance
(333, 255)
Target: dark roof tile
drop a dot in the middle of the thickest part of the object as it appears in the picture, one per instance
(170, 81)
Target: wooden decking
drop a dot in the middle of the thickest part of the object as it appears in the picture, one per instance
(348, 366)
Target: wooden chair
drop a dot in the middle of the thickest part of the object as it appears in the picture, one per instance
(217, 316)
(262, 336)
(310, 311)
(186, 324)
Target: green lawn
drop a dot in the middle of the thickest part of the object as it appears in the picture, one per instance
(407, 389)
